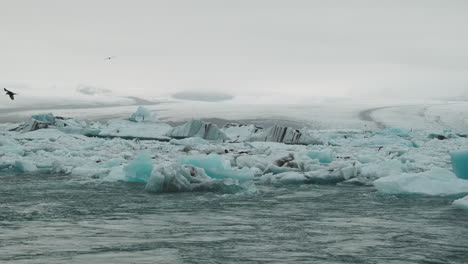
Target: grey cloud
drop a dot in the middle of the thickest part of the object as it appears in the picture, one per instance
(308, 47)
(89, 90)
(203, 96)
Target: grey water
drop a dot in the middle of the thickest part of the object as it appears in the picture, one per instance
(56, 219)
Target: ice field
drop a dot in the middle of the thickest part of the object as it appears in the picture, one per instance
(402, 148)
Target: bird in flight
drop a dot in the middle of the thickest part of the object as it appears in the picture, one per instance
(10, 93)
(109, 58)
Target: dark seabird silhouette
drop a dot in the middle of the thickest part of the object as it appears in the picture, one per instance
(10, 93)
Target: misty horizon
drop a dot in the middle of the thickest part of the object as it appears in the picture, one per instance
(398, 49)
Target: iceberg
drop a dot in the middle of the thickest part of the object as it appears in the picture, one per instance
(286, 135)
(143, 115)
(66, 125)
(187, 178)
(240, 132)
(139, 170)
(197, 128)
(461, 203)
(217, 168)
(460, 163)
(438, 181)
(45, 118)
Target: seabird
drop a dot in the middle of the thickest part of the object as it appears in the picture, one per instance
(10, 93)
(109, 58)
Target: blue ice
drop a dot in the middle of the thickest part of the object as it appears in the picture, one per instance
(324, 156)
(139, 170)
(48, 118)
(460, 164)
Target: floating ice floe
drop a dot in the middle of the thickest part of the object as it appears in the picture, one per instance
(217, 168)
(197, 128)
(135, 130)
(438, 181)
(199, 157)
(142, 124)
(283, 178)
(192, 141)
(461, 203)
(187, 178)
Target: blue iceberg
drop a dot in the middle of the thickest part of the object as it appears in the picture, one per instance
(324, 156)
(46, 118)
(143, 115)
(139, 170)
(460, 164)
(216, 168)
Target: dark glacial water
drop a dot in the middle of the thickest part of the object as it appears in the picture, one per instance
(52, 219)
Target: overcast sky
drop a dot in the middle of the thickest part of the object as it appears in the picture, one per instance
(240, 47)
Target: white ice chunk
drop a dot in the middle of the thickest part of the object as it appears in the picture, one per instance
(252, 161)
(461, 203)
(382, 169)
(240, 132)
(283, 178)
(437, 181)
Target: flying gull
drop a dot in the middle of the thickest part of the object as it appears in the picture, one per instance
(10, 93)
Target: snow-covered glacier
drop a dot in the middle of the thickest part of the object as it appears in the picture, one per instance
(200, 156)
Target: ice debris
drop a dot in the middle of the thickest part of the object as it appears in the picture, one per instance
(438, 181)
(460, 163)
